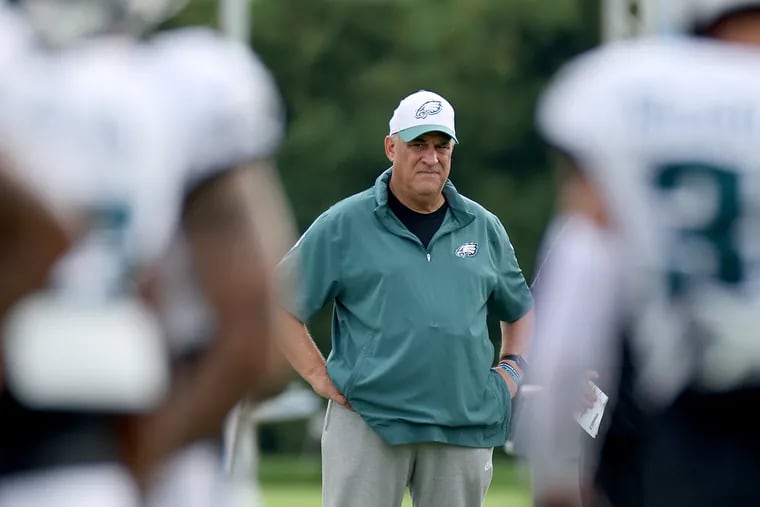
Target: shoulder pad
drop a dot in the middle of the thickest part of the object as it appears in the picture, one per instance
(224, 98)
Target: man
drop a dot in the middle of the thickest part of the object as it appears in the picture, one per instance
(412, 268)
(658, 207)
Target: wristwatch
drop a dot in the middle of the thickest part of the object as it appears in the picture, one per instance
(517, 358)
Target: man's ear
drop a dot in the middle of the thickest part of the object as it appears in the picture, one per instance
(390, 148)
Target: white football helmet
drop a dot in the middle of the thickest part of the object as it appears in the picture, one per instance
(62, 22)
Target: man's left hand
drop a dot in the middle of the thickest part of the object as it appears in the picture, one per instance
(511, 384)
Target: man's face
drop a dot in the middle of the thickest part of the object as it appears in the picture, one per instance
(421, 166)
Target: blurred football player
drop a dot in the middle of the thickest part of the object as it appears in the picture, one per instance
(80, 128)
(653, 281)
(120, 132)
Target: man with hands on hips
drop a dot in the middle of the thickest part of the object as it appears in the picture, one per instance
(412, 268)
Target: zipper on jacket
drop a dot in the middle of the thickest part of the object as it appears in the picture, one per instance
(428, 256)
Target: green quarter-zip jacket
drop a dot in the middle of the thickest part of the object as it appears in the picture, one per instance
(410, 345)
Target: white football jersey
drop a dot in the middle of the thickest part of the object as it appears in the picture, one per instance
(668, 129)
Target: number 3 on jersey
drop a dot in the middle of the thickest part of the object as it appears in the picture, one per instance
(704, 204)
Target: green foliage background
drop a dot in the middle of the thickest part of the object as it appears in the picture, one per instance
(343, 66)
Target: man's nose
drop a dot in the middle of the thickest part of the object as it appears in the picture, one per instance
(429, 155)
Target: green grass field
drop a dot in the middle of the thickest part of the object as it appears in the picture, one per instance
(295, 482)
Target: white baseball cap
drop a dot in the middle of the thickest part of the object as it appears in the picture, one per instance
(420, 113)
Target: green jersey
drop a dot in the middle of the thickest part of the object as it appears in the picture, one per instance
(410, 344)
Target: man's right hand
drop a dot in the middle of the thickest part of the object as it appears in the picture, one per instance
(324, 387)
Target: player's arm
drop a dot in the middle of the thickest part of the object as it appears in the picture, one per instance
(238, 226)
(226, 222)
(31, 238)
(275, 228)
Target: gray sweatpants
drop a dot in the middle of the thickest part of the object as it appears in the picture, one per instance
(359, 469)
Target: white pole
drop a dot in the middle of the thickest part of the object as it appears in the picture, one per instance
(235, 19)
(615, 20)
(631, 18)
(240, 443)
(655, 16)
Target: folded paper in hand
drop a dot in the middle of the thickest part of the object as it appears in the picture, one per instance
(592, 417)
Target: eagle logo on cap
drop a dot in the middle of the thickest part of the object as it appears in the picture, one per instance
(429, 108)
